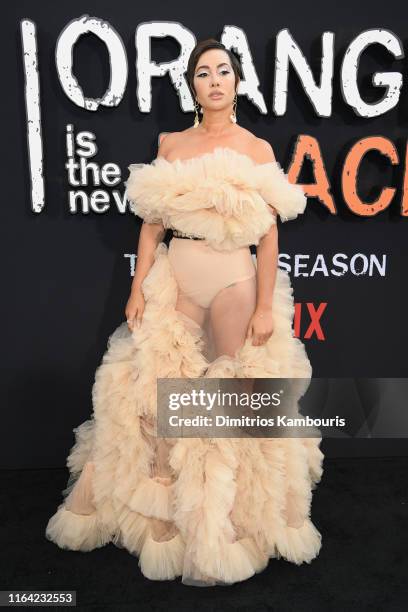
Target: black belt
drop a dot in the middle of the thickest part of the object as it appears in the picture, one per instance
(177, 234)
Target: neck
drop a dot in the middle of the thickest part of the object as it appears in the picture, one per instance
(216, 123)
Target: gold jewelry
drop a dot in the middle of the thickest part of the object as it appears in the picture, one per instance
(233, 115)
(196, 119)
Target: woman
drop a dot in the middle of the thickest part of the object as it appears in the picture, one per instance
(212, 511)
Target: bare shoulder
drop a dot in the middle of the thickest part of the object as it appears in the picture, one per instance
(171, 143)
(167, 140)
(262, 151)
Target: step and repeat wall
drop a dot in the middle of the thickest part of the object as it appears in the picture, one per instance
(88, 87)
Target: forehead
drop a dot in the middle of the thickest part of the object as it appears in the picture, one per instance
(212, 58)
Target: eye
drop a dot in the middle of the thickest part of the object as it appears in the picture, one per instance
(224, 71)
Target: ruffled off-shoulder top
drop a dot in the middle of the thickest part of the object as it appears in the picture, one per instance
(222, 196)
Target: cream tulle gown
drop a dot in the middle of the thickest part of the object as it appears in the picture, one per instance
(212, 511)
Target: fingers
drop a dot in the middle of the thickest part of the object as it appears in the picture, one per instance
(136, 320)
(257, 339)
(260, 339)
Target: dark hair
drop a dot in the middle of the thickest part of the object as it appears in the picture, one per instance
(199, 49)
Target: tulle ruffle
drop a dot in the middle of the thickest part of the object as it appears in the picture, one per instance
(222, 196)
(223, 507)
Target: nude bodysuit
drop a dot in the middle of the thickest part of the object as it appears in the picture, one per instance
(217, 291)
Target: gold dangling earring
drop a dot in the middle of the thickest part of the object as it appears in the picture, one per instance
(196, 119)
(233, 115)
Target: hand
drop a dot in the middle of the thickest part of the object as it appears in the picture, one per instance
(135, 308)
(260, 326)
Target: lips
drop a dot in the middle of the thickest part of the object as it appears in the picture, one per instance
(216, 95)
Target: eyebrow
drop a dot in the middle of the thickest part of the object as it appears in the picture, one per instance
(205, 66)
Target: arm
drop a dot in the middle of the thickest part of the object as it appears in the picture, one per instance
(261, 324)
(267, 249)
(150, 236)
(267, 263)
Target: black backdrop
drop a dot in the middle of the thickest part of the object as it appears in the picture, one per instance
(67, 276)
